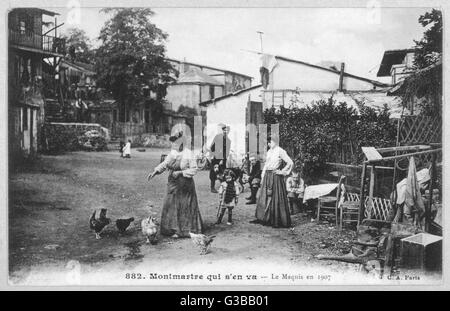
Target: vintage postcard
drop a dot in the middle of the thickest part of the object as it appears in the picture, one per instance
(211, 144)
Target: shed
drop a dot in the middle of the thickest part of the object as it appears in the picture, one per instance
(232, 110)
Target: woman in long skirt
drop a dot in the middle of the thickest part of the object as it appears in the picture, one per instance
(180, 213)
(272, 206)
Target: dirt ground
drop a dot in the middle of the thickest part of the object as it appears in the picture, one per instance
(52, 200)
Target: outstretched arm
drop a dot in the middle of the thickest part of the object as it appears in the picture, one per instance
(161, 167)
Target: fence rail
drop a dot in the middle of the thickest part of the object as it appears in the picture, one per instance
(420, 129)
(128, 128)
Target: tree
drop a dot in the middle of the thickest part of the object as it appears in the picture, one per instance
(131, 56)
(79, 45)
(429, 48)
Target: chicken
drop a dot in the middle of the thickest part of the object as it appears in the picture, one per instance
(202, 241)
(150, 229)
(98, 224)
(122, 224)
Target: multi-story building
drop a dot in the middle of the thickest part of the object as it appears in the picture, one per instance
(198, 83)
(397, 63)
(194, 84)
(28, 48)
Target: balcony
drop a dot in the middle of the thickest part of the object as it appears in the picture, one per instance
(37, 42)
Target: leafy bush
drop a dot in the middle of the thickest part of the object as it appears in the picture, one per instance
(60, 138)
(92, 141)
(330, 132)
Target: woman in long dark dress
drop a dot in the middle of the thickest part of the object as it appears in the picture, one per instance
(272, 206)
(180, 213)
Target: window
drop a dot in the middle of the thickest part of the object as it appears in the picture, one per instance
(25, 23)
(25, 119)
(211, 91)
(22, 27)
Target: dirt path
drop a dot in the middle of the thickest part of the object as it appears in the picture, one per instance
(50, 204)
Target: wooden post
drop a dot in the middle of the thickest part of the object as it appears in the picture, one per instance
(361, 203)
(430, 199)
(341, 78)
(371, 186)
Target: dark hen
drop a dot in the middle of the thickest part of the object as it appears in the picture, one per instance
(122, 224)
(98, 224)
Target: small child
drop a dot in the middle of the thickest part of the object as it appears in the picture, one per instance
(121, 145)
(228, 196)
(126, 150)
(295, 187)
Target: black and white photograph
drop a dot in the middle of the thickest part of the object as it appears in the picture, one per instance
(223, 144)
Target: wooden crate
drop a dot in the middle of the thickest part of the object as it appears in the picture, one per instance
(421, 251)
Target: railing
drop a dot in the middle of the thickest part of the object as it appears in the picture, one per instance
(33, 40)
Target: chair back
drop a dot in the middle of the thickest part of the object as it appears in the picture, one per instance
(340, 191)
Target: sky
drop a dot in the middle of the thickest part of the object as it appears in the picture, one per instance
(223, 37)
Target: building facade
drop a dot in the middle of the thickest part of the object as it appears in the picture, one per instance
(198, 83)
(28, 48)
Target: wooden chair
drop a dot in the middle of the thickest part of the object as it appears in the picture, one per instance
(328, 205)
(348, 208)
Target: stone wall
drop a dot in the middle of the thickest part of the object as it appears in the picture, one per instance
(150, 140)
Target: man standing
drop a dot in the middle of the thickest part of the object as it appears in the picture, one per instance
(220, 150)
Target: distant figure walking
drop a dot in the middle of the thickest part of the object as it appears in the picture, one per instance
(272, 207)
(121, 145)
(126, 150)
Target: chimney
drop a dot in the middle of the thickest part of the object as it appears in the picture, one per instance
(182, 65)
(341, 78)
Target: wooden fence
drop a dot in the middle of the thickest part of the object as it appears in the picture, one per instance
(119, 129)
(416, 130)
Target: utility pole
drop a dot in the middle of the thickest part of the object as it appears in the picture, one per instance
(260, 38)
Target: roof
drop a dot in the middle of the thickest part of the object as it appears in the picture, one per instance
(392, 57)
(46, 12)
(217, 99)
(87, 68)
(346, 74)
(209, 67)
(50, 13)
(196, 76)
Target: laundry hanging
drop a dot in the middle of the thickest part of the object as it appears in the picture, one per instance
(268, 62)
(414, 205)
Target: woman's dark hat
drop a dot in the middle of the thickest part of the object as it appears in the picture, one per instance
(176, 136)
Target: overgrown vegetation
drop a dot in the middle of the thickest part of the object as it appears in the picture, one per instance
(423, 89)
(59, 139)
(131, 56)
(331, 132)
(429, 48)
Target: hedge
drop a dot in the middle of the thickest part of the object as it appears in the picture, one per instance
(331, 132)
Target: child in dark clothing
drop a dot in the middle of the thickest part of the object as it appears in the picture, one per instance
(228, 196)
